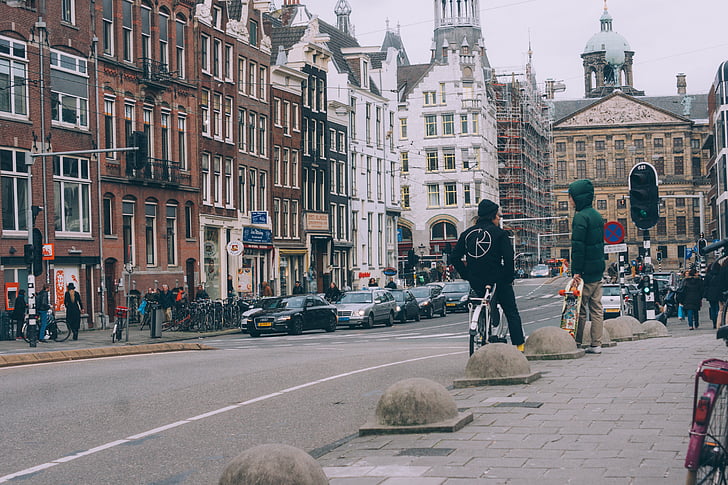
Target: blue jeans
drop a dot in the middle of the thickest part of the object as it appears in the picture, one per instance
(43, 324)
(692, 318)
(714, 309)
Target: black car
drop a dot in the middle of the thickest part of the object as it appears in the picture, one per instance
(457, 295)
(292, 314)
(430, 299)
(407, 306)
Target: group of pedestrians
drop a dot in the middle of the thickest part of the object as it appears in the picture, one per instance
(693, 289)
(71, 300)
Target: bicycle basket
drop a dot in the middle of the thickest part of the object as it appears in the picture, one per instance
(122, 311)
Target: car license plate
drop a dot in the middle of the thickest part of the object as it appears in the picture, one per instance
(265, 324)
(452, 304)
(612, 310)
(343, 319)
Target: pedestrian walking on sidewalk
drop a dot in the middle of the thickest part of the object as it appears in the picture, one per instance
(42, 303)
(72, 301)
(692, 297)
(19, 313)
(166, 302)
(713, 291)
(489, 259)
(587, 261)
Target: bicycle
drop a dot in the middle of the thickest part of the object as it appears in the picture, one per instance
(122, 320)
(480, 333)
(57, 329)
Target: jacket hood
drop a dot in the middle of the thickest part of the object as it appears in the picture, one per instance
(582, 191)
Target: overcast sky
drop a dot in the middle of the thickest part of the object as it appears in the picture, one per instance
(667, 36)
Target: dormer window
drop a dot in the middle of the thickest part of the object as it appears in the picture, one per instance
(365, 73)
(465, 50)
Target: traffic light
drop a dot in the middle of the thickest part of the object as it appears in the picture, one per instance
(412, 258)
(138, 158)
(702, 243)
(37, 252)
(644, 197)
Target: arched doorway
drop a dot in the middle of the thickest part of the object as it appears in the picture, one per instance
(190, 276)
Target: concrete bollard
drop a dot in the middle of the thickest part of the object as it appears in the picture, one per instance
(551, 343)
(273, 464)
(497, 364)
(620, 328)
(655, 328)
(606, 338)
(416, 405)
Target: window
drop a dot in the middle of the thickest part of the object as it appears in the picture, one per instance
(68, 11)
(263, 83)
(277, 217)
(448, 124)
(657, 142)
(229, 189)
(150, 233)
(286, 169)
(368, 123)
(432, 162)
(449, 159)
(433, 195)
(108, 215)
(13, 84)
(127, 229)
(205, 54)
(228, 119)
(242, 116)
(294, 168)
(205, 111)
(252, 76)
(107, 28)
(216, 58)
(580, 146)
(620, 170)
(639, 144)
(253, 31)
(164, 40)
(601, 168)
(276, 165)
(72, 184)
(619, 144)
(560, 146)
(242, 191)
(403, 129)
(442, 93)
(378, 127)
(443, 230)
(179, 43)
(263, 140)
(369, 177)
(601, 204)
(14, 186)
(451, 194)
(227, 66)
(217, 115)
(563, 205)
(430, 125)
(172, 235)
(464, 124)
(380, 185)
(251, 132)
(205, 177)
(679, 166)
(286, 117)
(182, 140)
(680, 225)
(599, 144)
(405, 190)
(561, 169)
(474, 129)
(581, 169)
(217, 180)
(430, 98)
(188, 222)
(164, 131)
(109, 127)
(146, 32)
(467, 196)
(677, 145)
(404, 162)
(69, 89)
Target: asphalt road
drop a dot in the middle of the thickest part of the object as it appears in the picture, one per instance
(178, 418)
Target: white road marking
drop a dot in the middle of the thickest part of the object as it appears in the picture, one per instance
(193, 419)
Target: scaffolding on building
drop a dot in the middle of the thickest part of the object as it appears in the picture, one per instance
(524, 162)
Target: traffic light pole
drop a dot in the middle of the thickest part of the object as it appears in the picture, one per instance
(31, 331)
(650, 295)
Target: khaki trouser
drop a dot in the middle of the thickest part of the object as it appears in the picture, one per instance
(591, 300)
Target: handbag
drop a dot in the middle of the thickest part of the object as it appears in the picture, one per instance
(142, 307)
(680, 313)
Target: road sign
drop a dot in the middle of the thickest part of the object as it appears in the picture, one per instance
(613, 232)
(258, 217)
(615, 248)
(235, 248)
(390, 271)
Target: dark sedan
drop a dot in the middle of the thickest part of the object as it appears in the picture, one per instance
(457, 295)
(430, 299)
(293, 315)
(407, 306)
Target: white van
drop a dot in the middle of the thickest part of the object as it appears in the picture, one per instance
(610, 300)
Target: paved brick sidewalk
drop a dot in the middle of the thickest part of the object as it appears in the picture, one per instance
(621, 417)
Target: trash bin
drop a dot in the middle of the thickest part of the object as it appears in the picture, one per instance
(155, 326)
(6, 326)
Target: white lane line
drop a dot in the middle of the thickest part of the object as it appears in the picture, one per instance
(428, 336)
(112, 444)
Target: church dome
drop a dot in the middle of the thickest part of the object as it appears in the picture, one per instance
(611, 43)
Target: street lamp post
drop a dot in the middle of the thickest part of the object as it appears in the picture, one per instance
(29, 222)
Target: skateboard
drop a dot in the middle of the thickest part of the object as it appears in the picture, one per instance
(572, 305)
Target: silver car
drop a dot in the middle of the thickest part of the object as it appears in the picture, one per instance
(366, 307)
(610, 300)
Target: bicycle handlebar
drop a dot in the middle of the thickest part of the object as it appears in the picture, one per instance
(714, 246)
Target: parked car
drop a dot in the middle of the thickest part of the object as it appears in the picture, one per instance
(540, 271)
(457, 295)
(611, 300)
(407, 307)
(430, 300)
(292, 314)
(366, 307)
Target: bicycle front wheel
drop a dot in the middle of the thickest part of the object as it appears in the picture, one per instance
(713, 453)
(62, 331)
(477, 340)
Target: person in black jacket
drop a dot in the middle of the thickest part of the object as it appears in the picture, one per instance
(19, 313)
(166, 301)
(692, 296)
(713, 291)
(42, 303)
(332, 293)
(489, 259)
(298, 289)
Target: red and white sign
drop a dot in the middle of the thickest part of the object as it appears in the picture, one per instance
(49, 252)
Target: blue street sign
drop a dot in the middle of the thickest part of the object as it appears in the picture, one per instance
(258, 236)
(259, 217)
(688, 253)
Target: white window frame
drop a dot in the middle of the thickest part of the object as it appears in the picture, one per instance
(63, 180)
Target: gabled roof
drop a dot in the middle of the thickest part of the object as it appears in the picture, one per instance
(674, 106)
(393, 39)
(409, 76)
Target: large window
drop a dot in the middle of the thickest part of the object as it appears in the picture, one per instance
(451, 194)
(13, 85)
(448, 124)
(182, 140)
(430, 125)
(164, 40)
(68, 8)
(127, 229)
(443, 230)
(69, 91)
(107, 29)
(433, 195)
(172, 235)
(108, 214)
(432, 162)
(72, 182)
(127, 31)
(146, 32)
(109, 127)
(14, 186)
(150, 233)
(180, 27)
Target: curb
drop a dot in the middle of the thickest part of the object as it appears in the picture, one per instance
(66, 355)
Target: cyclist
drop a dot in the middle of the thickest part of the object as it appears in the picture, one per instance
(489, 259)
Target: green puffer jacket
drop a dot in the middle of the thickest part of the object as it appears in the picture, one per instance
(587, 234)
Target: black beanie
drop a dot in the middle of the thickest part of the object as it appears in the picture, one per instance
(487, 209)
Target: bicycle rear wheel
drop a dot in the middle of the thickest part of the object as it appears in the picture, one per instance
(62, 331)
(477, 339)
(713, 452)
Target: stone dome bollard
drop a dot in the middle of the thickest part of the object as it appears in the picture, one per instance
(655, 328)
(637, 329)
(273, 464)
(620, 328)
(606, 338)
(497, 364)
(416, 405)
(551, 343)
